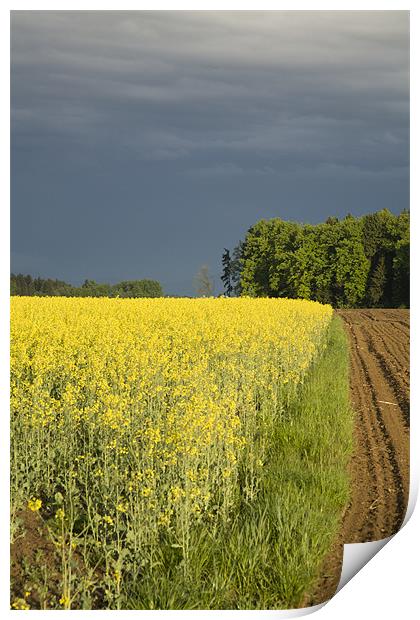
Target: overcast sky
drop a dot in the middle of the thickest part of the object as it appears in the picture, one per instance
(143, 143)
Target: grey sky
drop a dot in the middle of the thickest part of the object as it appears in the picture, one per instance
(143, 143)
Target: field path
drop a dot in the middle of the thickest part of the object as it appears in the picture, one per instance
(379, 350)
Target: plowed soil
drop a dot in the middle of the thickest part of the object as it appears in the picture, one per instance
(379, 349)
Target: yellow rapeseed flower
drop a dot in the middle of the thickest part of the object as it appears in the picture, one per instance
(108, 520)
(20, 603)
(34, 504)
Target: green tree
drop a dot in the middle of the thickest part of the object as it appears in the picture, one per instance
(351, 267)
(226, 276)
(257, 254)
(137, 288)
(236, 266)
(384, 236)
(13, 285)
(285, 239)
(377, 282)
(401, 267)
(335, 262)
(311, 273)
(401, 262)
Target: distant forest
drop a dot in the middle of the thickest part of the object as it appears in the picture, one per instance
(26, 285)
(349, 263)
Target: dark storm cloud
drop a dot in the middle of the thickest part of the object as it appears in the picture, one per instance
(183, 121)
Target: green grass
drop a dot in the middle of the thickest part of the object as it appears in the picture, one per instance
(268, 556)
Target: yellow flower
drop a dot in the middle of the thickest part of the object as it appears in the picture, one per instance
(196, 509)
(108, 520)
(164, 519)
(177, 493)
(20, 603)
(60, 514)
(34, 504)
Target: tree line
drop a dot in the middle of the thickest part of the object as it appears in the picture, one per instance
(26, 285)
(353, 262)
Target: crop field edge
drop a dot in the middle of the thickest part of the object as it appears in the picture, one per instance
(269, 558)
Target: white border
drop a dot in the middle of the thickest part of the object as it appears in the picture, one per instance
(387, 586)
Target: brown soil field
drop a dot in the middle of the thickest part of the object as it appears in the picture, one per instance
(379, 468)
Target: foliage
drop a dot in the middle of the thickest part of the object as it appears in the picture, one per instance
(401, 267)
(227, 273)
(348, 263)
(142, 431)
(137, 288)
(377, 281)
(27, 286)
(236, 268)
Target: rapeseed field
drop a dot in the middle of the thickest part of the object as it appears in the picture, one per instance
(140, 430)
